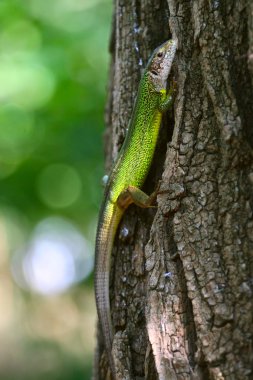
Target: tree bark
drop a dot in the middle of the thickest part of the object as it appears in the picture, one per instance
(182, 274)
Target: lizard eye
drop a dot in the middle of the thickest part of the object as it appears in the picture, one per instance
(154, 72)
(160, 54)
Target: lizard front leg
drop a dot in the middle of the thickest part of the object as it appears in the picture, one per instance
(166, 99)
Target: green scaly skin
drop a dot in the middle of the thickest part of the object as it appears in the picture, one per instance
(128, 175)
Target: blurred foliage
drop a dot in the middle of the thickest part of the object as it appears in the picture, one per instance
(53, 69)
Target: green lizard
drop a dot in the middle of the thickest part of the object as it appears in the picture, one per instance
(128, 175)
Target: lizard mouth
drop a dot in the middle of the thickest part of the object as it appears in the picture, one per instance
(161, 63)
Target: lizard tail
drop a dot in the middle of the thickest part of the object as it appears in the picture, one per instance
(109, 220)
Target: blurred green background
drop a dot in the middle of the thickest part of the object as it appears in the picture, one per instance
(53, 71)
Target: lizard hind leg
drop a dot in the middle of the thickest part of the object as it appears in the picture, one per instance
(135, 195)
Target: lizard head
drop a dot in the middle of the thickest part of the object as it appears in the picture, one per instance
(159, 64)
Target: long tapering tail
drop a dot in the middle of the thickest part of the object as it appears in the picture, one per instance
(109, 219)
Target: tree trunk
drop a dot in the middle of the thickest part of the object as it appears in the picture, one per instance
(182, 274)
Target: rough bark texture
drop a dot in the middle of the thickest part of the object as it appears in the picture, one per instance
(182, 275)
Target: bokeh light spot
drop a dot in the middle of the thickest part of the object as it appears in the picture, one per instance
(56, 257)
(59, 185)
(65, 14)
(25, 82)
(17, 137)
(49, 267)
(20, 36)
